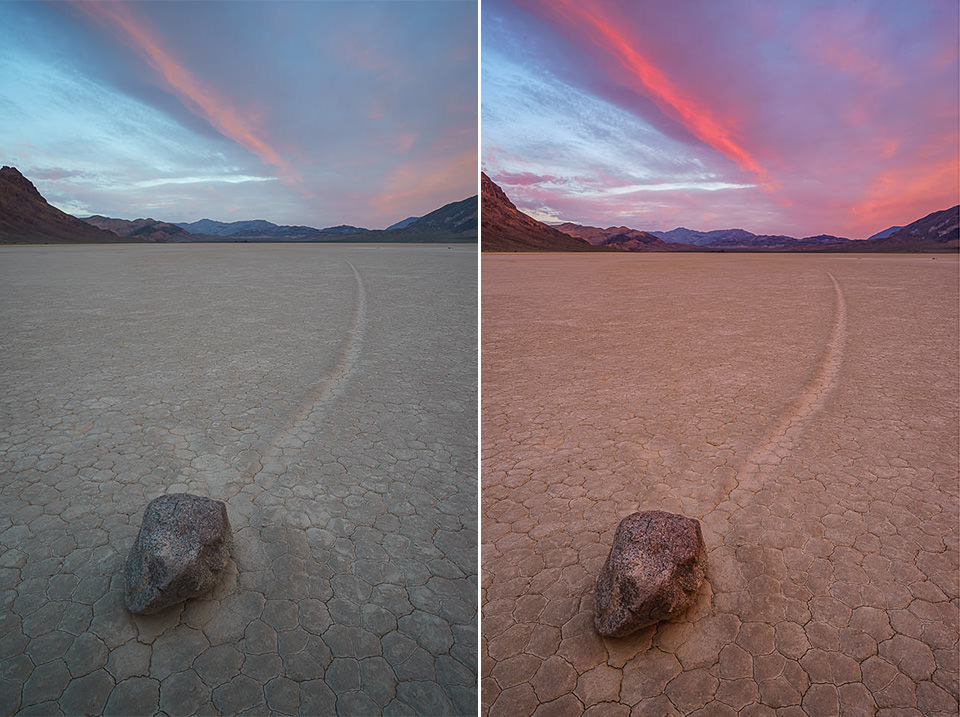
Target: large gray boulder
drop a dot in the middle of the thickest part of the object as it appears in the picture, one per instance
(183, 546)
(654, 570)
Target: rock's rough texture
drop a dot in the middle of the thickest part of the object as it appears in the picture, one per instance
(654, 569)
(183, 545)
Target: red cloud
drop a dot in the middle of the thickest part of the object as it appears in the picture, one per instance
(199, 98)
(902, 194)
(590, 17)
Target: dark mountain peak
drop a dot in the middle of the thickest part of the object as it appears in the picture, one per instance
(506, 228)
(142, 229)
(12, 180)
(457, 217)
(12, 175)
(27, 218)
(621, 238)
(491, 190)
(937, 231)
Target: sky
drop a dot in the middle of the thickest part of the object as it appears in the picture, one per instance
(796, 117)
(314, 113)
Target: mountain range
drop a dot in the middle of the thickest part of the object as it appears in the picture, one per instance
(939, 231)
(505, 228)
(455, 217)
(741, 239)
(27, 218)
(261, 229)
(140, 229)
(619, 238)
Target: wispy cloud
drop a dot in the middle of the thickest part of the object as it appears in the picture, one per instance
(798, 118)
(705, 186)
(545, 214)
(224, 179)
(556, 142)
(197, 96)
(74, 207)
(187, 109)
(892, 192)
(594, 19)
(527, 179)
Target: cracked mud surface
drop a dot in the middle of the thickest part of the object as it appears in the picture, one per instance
(803, 408)
(326, 393)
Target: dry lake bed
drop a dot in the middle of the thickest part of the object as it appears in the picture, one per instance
(803, 408)
(326, 393)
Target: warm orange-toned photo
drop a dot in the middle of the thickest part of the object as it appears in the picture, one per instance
(720, 377)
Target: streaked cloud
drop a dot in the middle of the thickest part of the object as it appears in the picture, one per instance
(74, 207)
(198, 96)
(675, 187)
(556, 141)
(595, 20)
(227, 179)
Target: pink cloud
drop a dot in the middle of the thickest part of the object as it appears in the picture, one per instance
(422, 181)
(198, 97)
(899, 193)
(846, 113)
(609, 37)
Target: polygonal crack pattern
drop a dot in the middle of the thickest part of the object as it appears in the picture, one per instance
(327, 394)
(804, 409)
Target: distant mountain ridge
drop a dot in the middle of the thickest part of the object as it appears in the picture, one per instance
(741, 239)
(682, 235)
(142, 229)
(774, 241)
(261, 229)
(621, 238)
(27, 218)
(505, 228)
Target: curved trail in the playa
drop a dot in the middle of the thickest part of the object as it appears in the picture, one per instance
(780, 437)
(315, 403)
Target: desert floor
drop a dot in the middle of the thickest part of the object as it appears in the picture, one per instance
(803, 408)
(326, 393)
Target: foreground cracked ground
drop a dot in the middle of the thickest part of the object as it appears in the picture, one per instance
(803, 408)
(326, 393)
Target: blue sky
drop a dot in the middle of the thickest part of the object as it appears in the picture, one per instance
(313, 113)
